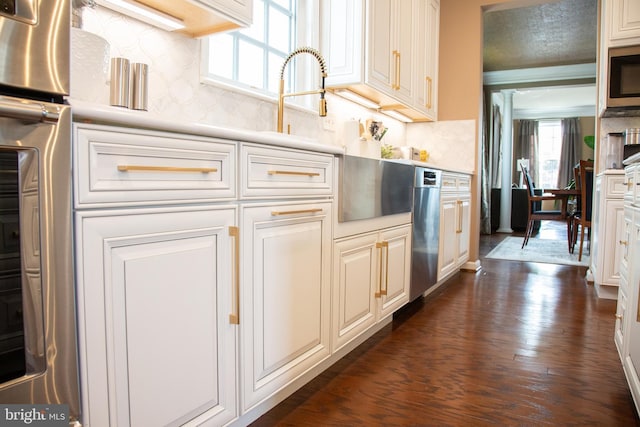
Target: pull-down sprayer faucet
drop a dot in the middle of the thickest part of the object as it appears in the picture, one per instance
(322, 108)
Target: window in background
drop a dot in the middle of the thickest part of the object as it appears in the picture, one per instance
(252, 57)
(549, 149)
(250, 60)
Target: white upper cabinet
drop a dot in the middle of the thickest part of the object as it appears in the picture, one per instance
(624, 22)
(204, 17)
(390, 46)
(385, 51)
(426, 57)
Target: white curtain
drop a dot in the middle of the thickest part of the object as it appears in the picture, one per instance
(569, 156)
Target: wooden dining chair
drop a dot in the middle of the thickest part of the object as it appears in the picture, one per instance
(535, 211)
(571, 235)
(582, 218)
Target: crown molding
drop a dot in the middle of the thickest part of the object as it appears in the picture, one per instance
(554, 113)
(540, 74)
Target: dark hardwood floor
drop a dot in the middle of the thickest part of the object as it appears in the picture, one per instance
(516, 344)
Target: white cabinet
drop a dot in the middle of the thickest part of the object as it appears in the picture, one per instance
(155, 277)
(607, 233)
(455, 221)
(620, 27)
(627, 332)
(426, 58)
(623, 19)
(390, 47)
(286, 267)
(154, 298)
(204, 17)
(385, 51)
(285, 294)
(370, 280)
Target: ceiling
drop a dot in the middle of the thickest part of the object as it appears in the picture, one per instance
(552, 34)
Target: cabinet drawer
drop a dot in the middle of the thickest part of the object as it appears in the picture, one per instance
(454, 182)
(271, 171)
(121, 166)
(621, 312)
(616, 187)
(449, 183)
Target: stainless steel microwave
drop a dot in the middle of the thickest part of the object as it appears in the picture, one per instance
(624, 77)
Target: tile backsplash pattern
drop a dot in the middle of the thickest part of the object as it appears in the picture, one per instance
(175, 90)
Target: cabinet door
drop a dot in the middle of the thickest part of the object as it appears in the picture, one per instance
(284, 293)
(449, 221)
(614, 234)
(403, 43)
(154, 298)
(355, 283)
(625, 22)
(382, 57)
(632, 334)
(395, 264)
(426, 57)
(621, 319)
(464, 217)
(390, 47)
(342, 32)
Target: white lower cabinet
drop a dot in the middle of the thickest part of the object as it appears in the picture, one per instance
(154, 298)
(627, 327)
(370, 280)
(631, 327)
(284, 294)
(607, 233)
(455, 222)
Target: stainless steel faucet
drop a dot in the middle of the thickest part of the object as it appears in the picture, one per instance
(322, 107)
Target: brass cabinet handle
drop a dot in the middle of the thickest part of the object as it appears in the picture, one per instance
(384, 245)
(234, 317)
(386, 269)
(396, 79)
(302, 211)
(459, 228)
(624, 242)
(140, 168)
(378, 294)
(638, 309)
(277, 172)
(429, 92)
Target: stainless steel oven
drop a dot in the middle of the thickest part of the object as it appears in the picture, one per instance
(38, 350)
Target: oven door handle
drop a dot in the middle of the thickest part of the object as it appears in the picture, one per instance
(32, 111)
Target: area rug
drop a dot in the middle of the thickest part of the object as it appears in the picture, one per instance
(537, 250)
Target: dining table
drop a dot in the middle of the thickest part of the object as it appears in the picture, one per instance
(564, 194)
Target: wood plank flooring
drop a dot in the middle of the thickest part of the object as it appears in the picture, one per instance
(517, 344)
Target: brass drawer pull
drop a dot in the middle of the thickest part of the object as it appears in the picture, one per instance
(302, 211)
(276, 172)
(624, 242)
(139, 168)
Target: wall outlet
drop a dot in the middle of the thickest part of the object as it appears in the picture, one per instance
(329, 123)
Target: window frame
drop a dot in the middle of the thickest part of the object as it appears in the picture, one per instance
(306, 33)
(556, 124)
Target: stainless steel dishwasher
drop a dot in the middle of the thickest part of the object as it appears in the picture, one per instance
(426, 231)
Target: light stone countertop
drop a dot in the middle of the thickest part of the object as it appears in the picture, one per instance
(103, 114)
